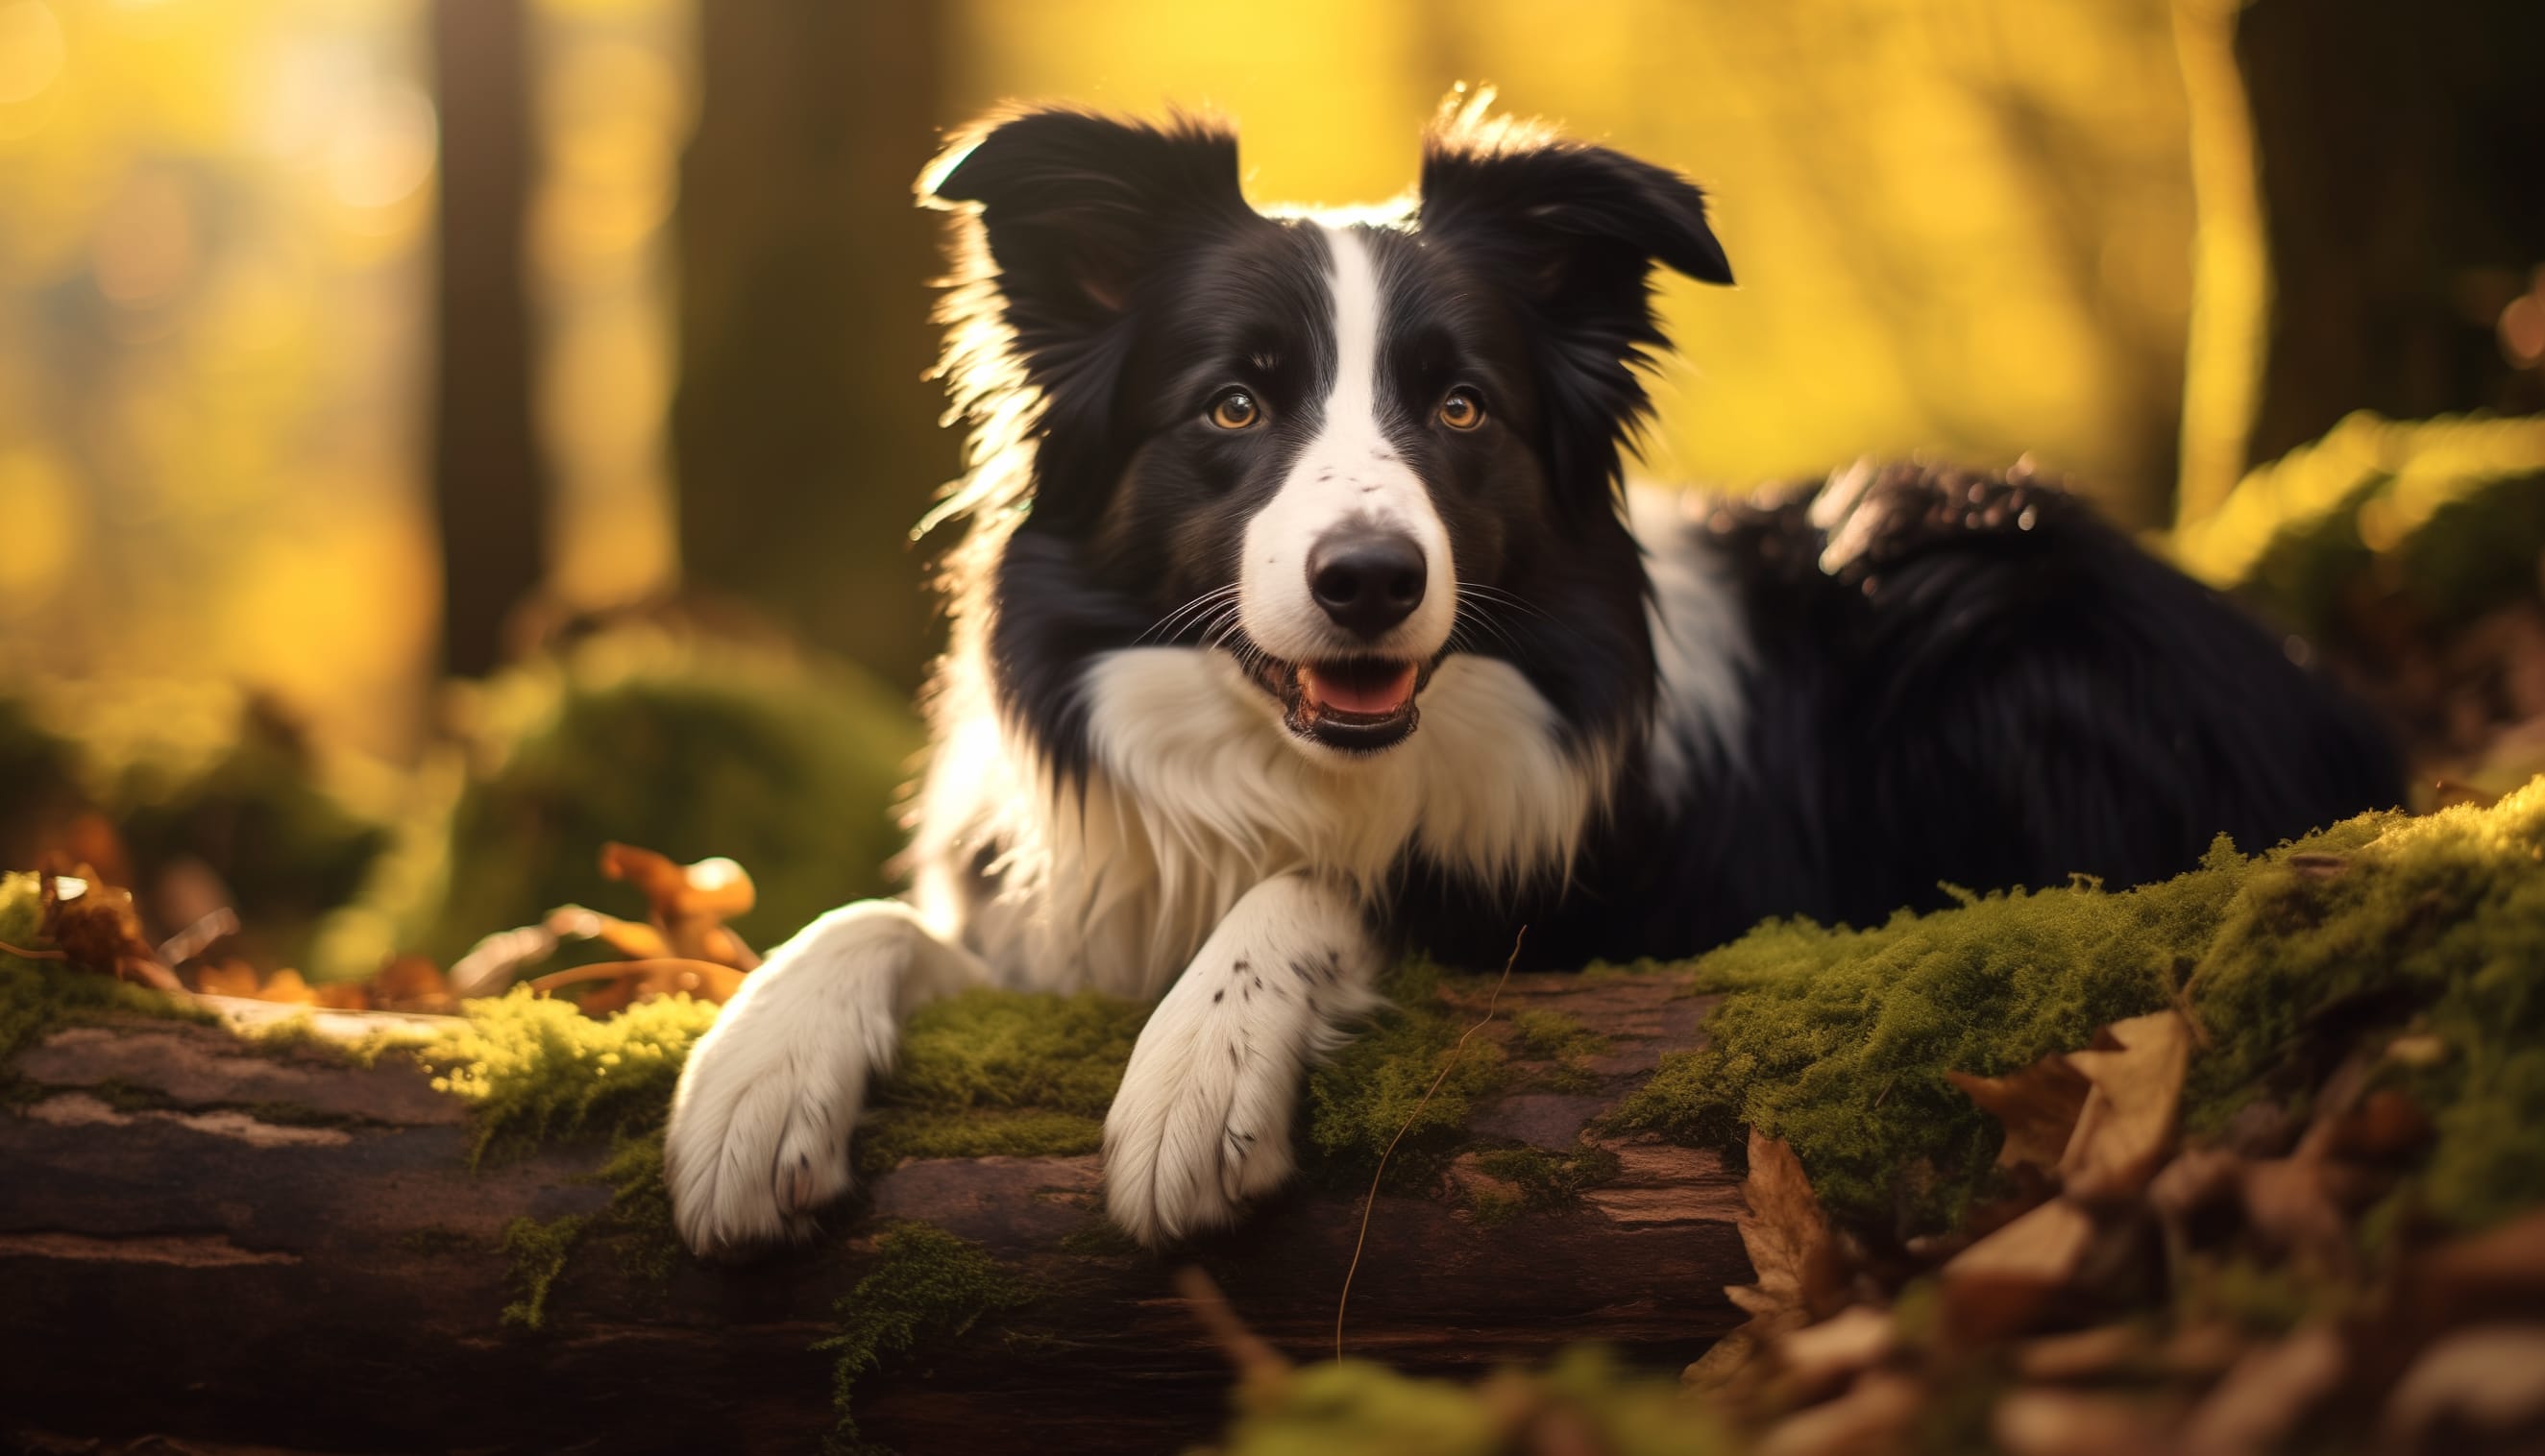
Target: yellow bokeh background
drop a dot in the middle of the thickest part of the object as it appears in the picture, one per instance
(1962, 227)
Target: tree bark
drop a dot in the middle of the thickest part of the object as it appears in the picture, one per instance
(805, 431)
(207, 1244)
(490, 488)
(2399, 152)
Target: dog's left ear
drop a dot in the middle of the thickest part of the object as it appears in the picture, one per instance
(1574, 233)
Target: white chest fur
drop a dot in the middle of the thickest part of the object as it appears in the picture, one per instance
(1197, 794)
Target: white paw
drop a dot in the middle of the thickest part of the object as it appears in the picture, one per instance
(757, 1143)
(1201, 1124)
(759, 1136)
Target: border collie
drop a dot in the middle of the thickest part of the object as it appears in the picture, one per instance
(1303, 618)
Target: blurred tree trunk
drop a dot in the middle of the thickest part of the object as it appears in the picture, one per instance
(2401, 154)
(489, 485)
(804, 432)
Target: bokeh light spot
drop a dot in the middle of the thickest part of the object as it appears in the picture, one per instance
(31, 50)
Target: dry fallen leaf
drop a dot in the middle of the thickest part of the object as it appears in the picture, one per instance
(1873, 1417)
(1820, 1357)
(94, 925)
(2038, 1104)
(412, 983)
(2265, 1395)
(2489, 1380)
(2081, 1354)
(689, 904)
(2063, 1422)
(1997, 1286)
(2127, 1125)
(1796, 1261)
(288, 986)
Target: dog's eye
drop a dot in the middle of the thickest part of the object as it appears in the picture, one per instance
(1236, 410)
(1462, 410)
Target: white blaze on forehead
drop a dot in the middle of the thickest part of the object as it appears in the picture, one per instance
(1350, 473)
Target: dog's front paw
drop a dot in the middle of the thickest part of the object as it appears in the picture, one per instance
(1201, 1126)
(759, 1139)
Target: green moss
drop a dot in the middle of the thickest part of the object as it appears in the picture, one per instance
(1375, 1086)
(1553, 1036)
(540, 1252)
(538, 1069)
(1837, 1040)
(690, 747)
(995, 1071)
(1014, 1134)
(1584, 1401)
(1550, 1181)
(2447, 512)
(928, 1287)
(38, 997)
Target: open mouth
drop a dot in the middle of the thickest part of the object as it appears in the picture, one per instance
(1358, 704)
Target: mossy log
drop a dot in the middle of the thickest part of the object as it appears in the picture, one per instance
(204, 1241)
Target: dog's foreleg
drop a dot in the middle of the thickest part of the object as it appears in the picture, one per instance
(759, 1136)
(1202, 1121)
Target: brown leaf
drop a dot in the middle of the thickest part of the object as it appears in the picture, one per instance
(2385, 1125)
(2038, 1104)
(95, 925)
(2293, 1202)
(1997, 1286)
(412, 983)
(230, 977)
(341, 996)
(1875, 1416)
(1788, 1241)
(2060, 1422)
(2083, 1354)
(2267, 1394)
(2489, 1380)
(1792, 1254)
(2488, 1275)
(2127, 1125)
(286, 986)
(689, 904)
(1820, 1357)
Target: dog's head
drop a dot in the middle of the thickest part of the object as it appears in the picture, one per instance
(1339, 447)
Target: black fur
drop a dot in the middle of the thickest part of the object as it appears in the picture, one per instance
(1992, 689)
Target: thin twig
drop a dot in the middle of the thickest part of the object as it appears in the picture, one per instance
(33, 954)
(1343, 1300)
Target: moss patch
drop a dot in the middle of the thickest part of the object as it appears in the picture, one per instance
(1374, 1085)
(538, 1069)
(1550, 1179)
(928, 1287)
(992, 1072)
(538, 1252)
(690, 745)
(1835, 1040)
(36, 997)
(1553, 1036)
(1586, 1401)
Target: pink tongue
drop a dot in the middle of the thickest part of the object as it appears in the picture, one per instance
(1360, 691)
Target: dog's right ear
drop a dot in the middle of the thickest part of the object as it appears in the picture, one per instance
(1072, 208)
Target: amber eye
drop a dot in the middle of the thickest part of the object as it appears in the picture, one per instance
(1461, 410)
(1236, 410)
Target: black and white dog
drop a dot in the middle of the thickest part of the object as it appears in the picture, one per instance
(1302, 616)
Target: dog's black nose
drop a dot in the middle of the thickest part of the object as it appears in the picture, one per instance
(1367, 581)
